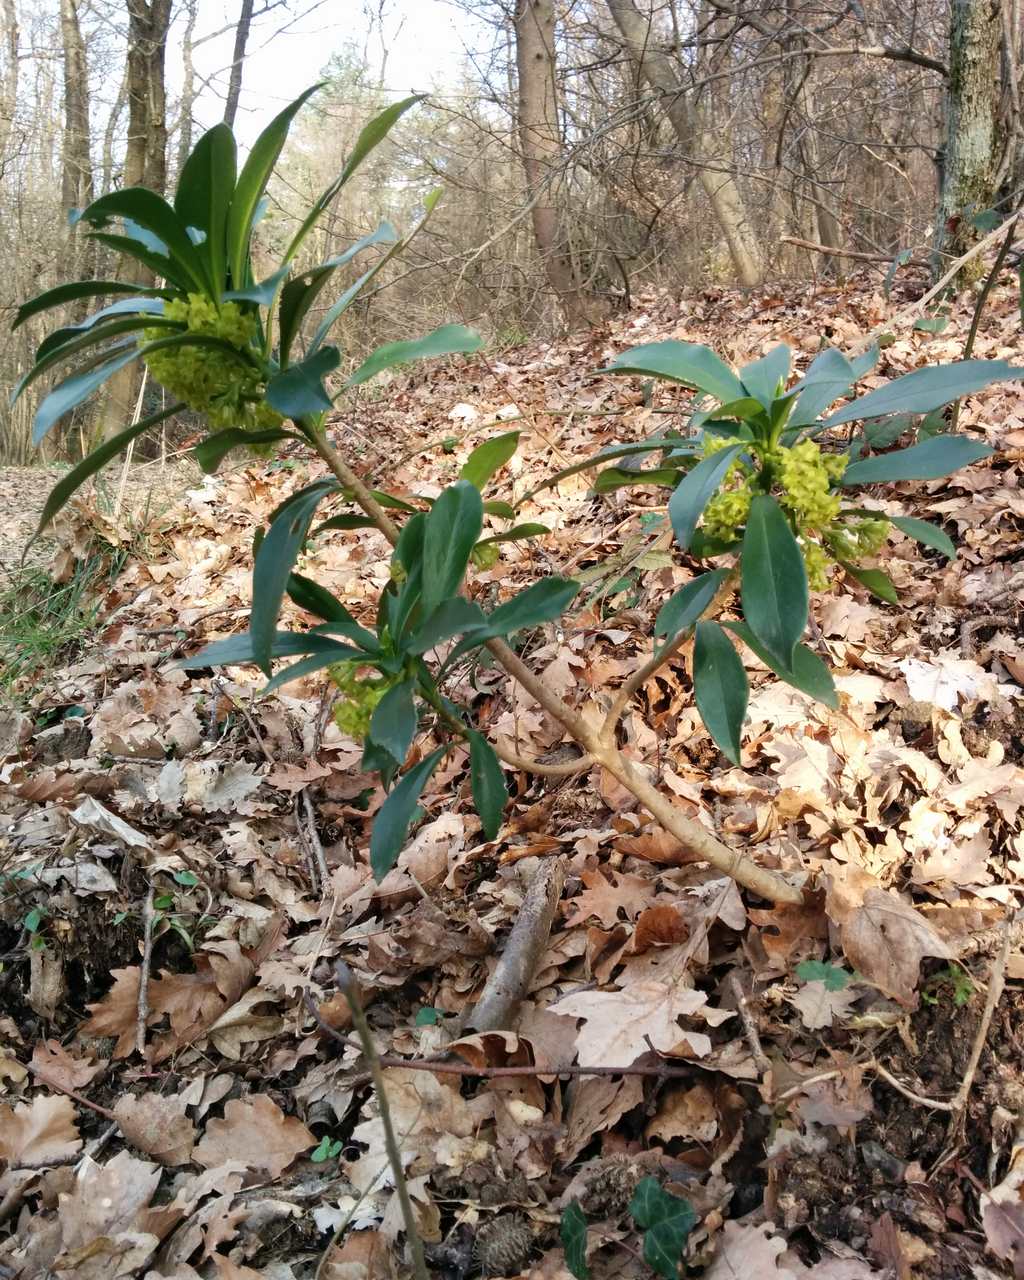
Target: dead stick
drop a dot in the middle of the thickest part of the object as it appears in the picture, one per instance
(142, 1017)
(996, 983)
(749, 1026)
(507, 986)
(814, 247)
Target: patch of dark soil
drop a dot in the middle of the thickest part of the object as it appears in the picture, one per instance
(1002, 722)
(901, 1162)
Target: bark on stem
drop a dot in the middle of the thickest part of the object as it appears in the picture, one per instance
(690, 834)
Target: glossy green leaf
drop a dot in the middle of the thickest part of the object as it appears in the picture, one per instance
(663, 443)
(370, 136)
(693, 365)
(236, 650)
(274, 561)
(808, 672)
(347, 521)
(299, 294)
(490, 794)
(931, 460)
(503, 510)
(452, 528)
(516, 534)
(72, 342)
(927, 389)
(720, 687)
(573, 1232)
(667, 1222)
(449, 339)
(773, 580)
(316, 599)
(393, 723)
(763, 377)
(70, 393)
(95, 461)
(877, 582)
(929, 534)
(162, 266)
(695, 490)
(452, 617)
(612, 478)
(75, 290)
(153, 214)
(299, 390)
(391, 825)
(206, 186)
(252, 182)
(263, 293)
(542, 601)
(684, 609)
(212, 451)
(489, 457)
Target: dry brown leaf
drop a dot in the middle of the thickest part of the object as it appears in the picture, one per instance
(39, 1132)
(255, 1131)
(685, 1113)
(107, 1200)
(158, 1126)
(749, 1252)
(117, 1013)
(63, 1068)
(620, 1026)
(819, 1007)
(606, 896)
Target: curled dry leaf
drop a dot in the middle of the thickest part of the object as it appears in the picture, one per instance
(749, 1251)
(257, 1132)
(158, 1126)
(63, 1068)
(39, 1132)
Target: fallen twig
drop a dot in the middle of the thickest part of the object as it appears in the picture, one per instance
(855, 254)
(509, 983)
(311, 839)
(749, 1026)
(54, 1084)
(996, 983)
(933, 1104)
(142, 1017)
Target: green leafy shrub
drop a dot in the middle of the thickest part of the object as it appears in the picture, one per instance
(754, 482)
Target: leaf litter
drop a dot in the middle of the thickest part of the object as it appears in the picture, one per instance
(183, 862)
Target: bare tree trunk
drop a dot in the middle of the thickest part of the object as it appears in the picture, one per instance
(76, 161)
(541, 143)
(238, 62)
(697, 136)
(145, 160)
(188, 86)
(110, 133)
(9, 78)
(972, 117)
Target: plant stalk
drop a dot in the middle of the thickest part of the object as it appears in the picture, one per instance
(690, 834)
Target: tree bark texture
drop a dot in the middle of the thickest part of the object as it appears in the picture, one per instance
(972, 115)
(76, 161)
(238, 62)
(698, 135)
(541, 143)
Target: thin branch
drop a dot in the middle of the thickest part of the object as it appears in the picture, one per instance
(61, 1088)
(933, 1104)
(142, 1017)
(351, 993)
(814, 247)
(996, 984)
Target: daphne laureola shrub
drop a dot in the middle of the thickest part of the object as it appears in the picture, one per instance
(757, 487)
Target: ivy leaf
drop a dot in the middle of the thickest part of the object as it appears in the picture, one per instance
(833, 976)
(667, 1221)
(573, 1230)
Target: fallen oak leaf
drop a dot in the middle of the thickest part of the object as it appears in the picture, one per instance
(39, 1132)
(255, 1131)
(157, 1125)
(62, 1068)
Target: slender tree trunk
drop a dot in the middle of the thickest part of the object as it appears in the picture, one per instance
(238, 62)
(972, 118)
(76, 161)
(145, 161)
(188, 86)
(541, 144)
(110, 133)
(9, 40)
(697, 135)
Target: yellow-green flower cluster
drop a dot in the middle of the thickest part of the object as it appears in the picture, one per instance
(353, 713)
(727, 513)
(805, 474)
(817, 564)
(227, 391)
(862, 538)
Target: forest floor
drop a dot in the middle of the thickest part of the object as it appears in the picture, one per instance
(169, 1106)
